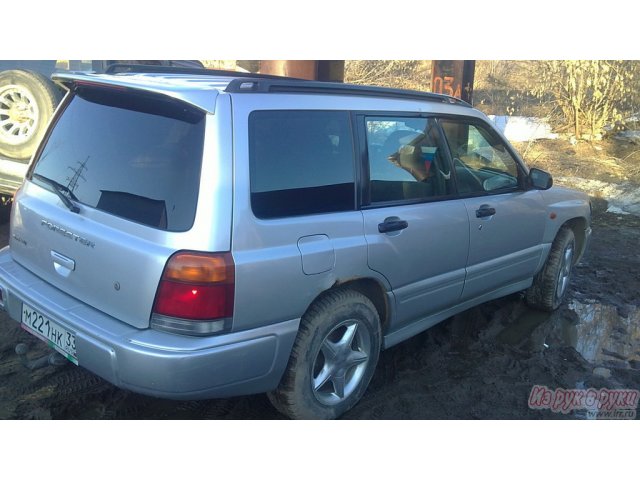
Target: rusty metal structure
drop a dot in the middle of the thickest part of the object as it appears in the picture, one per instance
(451, 77)
(454, 77)
(324, 70)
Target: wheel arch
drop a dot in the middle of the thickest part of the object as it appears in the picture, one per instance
(370, 288)
(579, 226)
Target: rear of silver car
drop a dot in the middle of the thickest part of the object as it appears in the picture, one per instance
(120, 243)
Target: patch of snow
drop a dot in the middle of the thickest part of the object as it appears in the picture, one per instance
(623, 198)
(522, 129)
(632, 135)
(633, 118)
(617, 210)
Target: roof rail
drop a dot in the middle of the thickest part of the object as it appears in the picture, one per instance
(246, 82)
(135, 68)
(284, 85)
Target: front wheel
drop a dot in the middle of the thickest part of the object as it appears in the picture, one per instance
(333, 358)
(550, 285)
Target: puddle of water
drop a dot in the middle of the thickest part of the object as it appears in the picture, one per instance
(600, 335)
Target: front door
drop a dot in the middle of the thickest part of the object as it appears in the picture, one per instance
(506, 219)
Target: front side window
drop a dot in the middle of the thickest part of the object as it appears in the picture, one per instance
(301, 163)
(129, 154)
(406, 160)
(481, 160)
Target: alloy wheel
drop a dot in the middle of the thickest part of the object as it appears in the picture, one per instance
(341, 362)
(564, 272)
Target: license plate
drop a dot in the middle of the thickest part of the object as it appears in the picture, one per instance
(54, 334)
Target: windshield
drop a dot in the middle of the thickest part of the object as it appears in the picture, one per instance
(136, 156)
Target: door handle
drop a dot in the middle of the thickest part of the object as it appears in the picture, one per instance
(392, 225)
(485, 211)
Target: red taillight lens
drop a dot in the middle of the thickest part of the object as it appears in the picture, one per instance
(194, 302)
(197, 286)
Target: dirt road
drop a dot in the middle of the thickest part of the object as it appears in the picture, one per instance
(481, 364)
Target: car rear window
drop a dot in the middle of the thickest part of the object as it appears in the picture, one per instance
(133, 155)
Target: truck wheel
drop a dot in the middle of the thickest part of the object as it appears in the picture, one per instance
(333, 358)
(27, 103)
(551, 284)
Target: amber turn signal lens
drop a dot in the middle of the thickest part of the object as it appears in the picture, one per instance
(200, 268)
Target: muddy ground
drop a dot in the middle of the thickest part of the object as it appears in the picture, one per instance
(481, 364)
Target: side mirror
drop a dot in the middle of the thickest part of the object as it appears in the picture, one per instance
(539, 179)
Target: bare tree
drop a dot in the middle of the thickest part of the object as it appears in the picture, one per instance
(589, 93)
(411, 74)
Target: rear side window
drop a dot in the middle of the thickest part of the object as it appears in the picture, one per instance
(131, 155)
(301, 162)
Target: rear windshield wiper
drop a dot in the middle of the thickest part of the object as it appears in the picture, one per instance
(60, 190)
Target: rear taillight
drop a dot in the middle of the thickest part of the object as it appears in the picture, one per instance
(195, 295)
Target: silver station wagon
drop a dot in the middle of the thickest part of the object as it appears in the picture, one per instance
(192, 234)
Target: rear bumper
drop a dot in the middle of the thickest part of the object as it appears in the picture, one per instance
(152, 362)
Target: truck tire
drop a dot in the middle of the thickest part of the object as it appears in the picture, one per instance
(27, 103)
(550, 285)
(333, 358)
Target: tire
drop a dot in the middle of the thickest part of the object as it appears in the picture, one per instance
(550, 285)
(5, 212)
(333, 358)
(27, 103)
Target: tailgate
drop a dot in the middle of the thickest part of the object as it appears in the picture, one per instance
(117, 176)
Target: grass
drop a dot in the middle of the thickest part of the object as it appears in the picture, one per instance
(610, 160)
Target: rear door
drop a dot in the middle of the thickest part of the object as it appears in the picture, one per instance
(115, 182)
(416, 230)
(506, 219)
(296, 229)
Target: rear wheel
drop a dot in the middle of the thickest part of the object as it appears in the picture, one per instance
(27, 103)
(550, 285)
(333, 358)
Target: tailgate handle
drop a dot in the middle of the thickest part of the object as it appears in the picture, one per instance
(62, 261)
